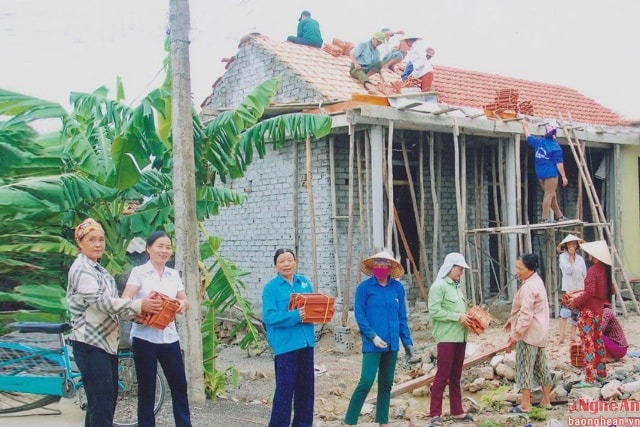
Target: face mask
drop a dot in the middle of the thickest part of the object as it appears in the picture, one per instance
(381, 272)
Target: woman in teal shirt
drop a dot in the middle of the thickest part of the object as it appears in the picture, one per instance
(292, 342)
(449, 323)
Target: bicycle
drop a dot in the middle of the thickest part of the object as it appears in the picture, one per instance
(36, 371)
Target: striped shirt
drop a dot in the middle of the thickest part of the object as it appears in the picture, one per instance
(94, 305)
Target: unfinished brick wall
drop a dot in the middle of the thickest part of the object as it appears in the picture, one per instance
(252, 66)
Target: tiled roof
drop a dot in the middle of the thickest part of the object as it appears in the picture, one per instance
(329, 75)
(475, 89)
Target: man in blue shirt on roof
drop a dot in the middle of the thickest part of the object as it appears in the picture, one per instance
(549, 162)
(365, 59)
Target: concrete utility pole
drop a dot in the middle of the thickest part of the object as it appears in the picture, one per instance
(184, 194)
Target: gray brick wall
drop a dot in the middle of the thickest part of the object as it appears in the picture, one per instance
(252, 66)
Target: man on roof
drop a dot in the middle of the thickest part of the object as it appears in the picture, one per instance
(391, 55)
(308, 32)
(421, 68)
(365, 60)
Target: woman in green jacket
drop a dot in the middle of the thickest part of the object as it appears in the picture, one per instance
(449, 323)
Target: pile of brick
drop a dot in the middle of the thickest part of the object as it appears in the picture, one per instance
(506, 105)
(397, 85)
(338, 47)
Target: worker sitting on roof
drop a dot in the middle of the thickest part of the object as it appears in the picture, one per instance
(365, 59)
(391, 55)
(422, 68)
(308, 32)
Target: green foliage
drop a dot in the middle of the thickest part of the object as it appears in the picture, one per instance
(538, 414)
(494, 400)
(490, 423)
(106, 155)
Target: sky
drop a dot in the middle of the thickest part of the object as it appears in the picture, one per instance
(50, 48)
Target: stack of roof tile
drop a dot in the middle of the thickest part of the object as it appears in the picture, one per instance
(332, 49)
(506, 105)
(346, 46)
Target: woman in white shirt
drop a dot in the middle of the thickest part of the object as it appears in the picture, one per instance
(573, 270)
(151, 345)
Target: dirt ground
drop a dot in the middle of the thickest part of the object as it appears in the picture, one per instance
(248, 404)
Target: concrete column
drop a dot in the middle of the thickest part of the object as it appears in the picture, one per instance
(511, 198)
(377, 188)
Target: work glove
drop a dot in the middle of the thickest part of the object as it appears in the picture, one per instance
(410, 356)
(378, 342)
(408, 352)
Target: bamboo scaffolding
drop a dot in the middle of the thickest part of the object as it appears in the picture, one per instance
(496, 212)
(518, 188)
(421, 287)
(361, 218)
(421, 227)
(435, 199)
(294, 194)
(503, 238)
(367, 173)
(414, 201)
(390, 184)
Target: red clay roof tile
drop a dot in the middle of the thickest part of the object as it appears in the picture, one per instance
(329, 75)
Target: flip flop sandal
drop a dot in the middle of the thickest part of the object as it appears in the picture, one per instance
(466, 419)
(516, 410)
(436, 421)
(582, 384)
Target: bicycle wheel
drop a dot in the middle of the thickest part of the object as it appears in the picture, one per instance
(18, 361)
(126, 414)
(18, 402)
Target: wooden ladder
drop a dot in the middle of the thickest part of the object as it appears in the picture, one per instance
(603, 227)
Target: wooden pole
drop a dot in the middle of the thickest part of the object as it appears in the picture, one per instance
(421, 227)
(457, 174)
(347, 270)
(184, 195)
(294, 198)
(312, 214)
(334, 216)
(367, 187)
(421, 287)
(428, 379)
(438, 178)
(462, 237)
(361, 203)
(414, 202)
(390, 184)
(435, 199)
(504, 242)
(518, 187)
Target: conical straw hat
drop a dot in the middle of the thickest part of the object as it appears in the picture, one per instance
(366, 266)
(569, 238)
(598, 250)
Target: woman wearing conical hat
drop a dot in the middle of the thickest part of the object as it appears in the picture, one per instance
(381, 313)
(573, 270)
(597, 292)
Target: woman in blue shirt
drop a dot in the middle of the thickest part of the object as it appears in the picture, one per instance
(292, 342)
(381, 313)
(549, 162)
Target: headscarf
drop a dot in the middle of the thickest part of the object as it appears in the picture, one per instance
(86, 227)
(454, 258)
